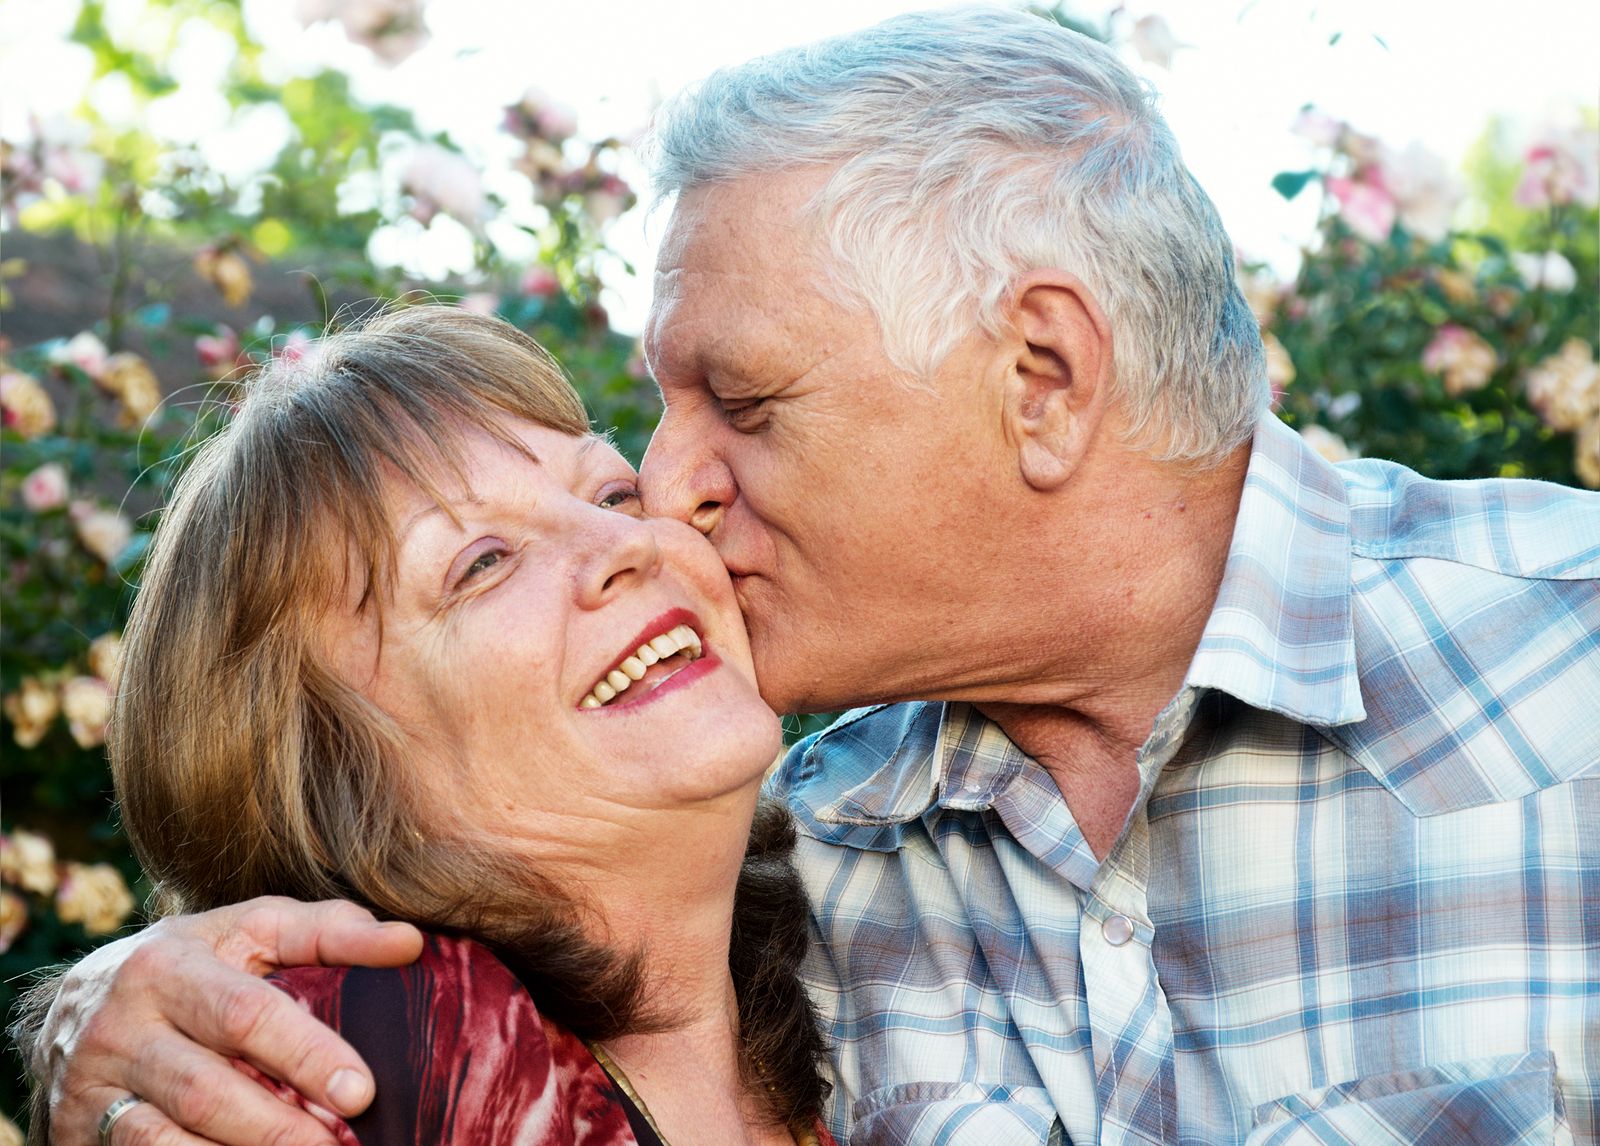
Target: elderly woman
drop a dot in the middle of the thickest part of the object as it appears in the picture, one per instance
(405, 637)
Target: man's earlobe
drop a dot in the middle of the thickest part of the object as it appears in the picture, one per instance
(1056, 376)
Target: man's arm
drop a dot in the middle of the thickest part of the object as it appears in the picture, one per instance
(161, 1013)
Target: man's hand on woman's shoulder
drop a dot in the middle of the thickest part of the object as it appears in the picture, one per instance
(161, 1013)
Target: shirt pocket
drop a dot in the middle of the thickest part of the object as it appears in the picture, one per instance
(1487, 1101)
(955, 1113)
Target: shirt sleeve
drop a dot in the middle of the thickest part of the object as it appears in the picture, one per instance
(460, 1055)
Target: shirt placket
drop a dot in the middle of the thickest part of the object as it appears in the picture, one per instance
(1130, 1022)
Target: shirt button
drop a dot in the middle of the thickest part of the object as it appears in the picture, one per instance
(1117, 929)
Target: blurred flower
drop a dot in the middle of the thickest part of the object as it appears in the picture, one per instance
(226, 269)
(539, 281)
(1586, 454)
(1565, 388)
(24, 405)
(1423, 188)
(1317, 126)
(13, 919)
(105, 658)
(1366, 207)
(218, 352)
(56, 154)
(94, 895)
(438, 179)
(608, 198)
(636, 367)
(31, 710)
(1327, 443)
(392, 30)
(480, 302)
(1550, 271)
(1280, 367)
(295, 345)
(1562, 167)
(1153, 39)
(1457, 285)
(130, 378)
(543, 163)
(103, 532)
(84, 351)
(1262, 292)
(537, 116)
(45, 488)
(28, 861)
(86, 705)
(1465, 359)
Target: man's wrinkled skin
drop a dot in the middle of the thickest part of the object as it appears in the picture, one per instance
(985, 535)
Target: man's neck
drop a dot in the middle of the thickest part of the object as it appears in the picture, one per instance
(1117, 633)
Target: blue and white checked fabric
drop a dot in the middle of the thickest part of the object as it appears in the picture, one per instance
(1358, 900)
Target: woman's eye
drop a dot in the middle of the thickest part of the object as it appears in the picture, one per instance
(482, 564)
(618, 498)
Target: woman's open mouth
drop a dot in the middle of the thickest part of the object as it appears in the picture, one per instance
(641, 673)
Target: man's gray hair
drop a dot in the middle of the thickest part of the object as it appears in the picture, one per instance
(971, 146)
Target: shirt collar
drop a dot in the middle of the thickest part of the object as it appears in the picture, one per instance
(1281, 635)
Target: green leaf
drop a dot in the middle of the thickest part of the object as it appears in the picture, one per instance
(1291, 183)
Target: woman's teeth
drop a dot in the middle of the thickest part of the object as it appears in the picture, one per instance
(683, 640)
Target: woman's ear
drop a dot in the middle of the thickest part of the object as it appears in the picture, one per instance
(1058, 375)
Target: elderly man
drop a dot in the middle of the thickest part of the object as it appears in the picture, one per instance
(1258, 798)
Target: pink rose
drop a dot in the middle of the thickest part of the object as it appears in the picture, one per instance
(1563, 167)
(480, 302)
(1317, 126)
(45, 488)
(219, 352)
(84, 351)
(540, 282)
(1365, 206)
(295, 346)
(438, 179)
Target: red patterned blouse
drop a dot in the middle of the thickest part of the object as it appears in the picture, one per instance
(462, 1057)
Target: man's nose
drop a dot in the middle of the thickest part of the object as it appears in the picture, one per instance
(679, 477)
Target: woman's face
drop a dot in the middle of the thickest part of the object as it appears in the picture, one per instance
(556, 659)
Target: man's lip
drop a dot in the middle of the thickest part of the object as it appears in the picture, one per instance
(665, 623)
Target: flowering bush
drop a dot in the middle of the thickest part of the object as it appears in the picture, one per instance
(1464, 352)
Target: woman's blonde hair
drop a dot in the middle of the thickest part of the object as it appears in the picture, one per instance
(244, 765)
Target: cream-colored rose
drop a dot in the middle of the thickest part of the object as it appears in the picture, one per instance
(13, 919)
(228, 272)
(1565, 388)
(86, 703)
(105, 658)
(1463, 357)
(28, 861)
(1457, 286)
(31, 710)
(24, 405)
(103, 532)
(1327, 443)
(1280, 367)
(10, 1135)
(1586, 454)
(130, 378)
(95, 896)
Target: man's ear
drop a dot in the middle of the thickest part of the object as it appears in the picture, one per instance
(1057, 374)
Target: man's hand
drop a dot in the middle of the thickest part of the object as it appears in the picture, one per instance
(160, 1013)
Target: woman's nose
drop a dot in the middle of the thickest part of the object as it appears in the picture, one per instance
(622, 552)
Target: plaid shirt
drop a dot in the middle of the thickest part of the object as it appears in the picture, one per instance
(1358, 899)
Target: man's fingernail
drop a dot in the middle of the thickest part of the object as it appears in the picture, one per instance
(348, 1091)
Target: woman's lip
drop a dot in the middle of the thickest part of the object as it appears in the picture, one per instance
(665, 623)
(706, 662)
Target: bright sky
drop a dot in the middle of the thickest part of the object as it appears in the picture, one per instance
(1444, 67)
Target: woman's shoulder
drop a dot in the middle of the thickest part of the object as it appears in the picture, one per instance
(460, 1052)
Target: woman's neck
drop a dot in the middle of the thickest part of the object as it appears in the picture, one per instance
(668, 893)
